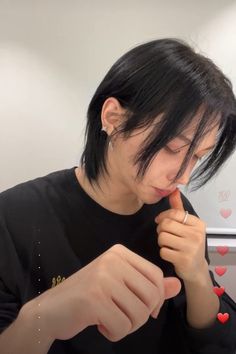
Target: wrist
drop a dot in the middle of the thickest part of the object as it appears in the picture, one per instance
(34, 319)
(201, 277)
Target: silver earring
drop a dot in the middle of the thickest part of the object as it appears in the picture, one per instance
(104, 129)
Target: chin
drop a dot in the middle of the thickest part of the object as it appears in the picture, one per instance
(152, 200)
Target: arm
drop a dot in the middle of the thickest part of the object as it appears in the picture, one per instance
(202, 303)
(23, 336)
(198, 310)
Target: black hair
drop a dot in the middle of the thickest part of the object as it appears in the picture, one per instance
(164, 76)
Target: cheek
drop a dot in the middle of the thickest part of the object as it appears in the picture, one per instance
(157, 170)
(160, 162)
(125, 157)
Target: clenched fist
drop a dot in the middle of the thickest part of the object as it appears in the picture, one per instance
(117, 291)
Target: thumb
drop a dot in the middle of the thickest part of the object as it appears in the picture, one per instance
(172, 286)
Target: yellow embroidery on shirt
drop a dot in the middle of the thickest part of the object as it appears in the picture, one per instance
(56, 281)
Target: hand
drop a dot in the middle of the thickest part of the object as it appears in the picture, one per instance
(117, 292)
(182, 244)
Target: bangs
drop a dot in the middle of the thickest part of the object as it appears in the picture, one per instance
(170, 127)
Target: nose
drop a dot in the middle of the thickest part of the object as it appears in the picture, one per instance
(184, 178)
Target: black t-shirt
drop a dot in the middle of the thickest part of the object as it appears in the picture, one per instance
(50, 228)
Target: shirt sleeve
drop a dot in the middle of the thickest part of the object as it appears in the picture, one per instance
(9, 307)
(217, 338)
(9, 273)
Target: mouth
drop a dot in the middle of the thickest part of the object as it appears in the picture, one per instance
(163, 192)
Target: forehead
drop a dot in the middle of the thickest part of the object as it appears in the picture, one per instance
(210, 132)
(208, 139)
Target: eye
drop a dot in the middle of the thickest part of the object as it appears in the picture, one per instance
(175, 152)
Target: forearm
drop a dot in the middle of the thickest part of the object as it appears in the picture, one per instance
(27, 334)
(202, 303)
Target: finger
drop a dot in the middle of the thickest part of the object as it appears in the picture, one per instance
(142, 265)
(175, 200)
(176, 215)
(134, 308)
(112, 322)
(150, 295)
(172, 241)
(170, 255)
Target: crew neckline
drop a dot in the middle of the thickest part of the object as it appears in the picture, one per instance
(98, 210)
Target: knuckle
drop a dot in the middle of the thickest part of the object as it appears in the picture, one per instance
(118, 247)
(107, 259)
(116, 337)
(113, 337)
(122, 331)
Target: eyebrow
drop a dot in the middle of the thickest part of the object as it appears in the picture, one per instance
(188, 141)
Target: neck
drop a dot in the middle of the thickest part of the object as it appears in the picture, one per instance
(113, 195)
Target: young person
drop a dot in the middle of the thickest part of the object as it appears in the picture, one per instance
(109, 257)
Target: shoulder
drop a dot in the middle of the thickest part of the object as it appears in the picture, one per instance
(26, 197)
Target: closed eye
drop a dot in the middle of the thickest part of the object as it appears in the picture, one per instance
(178, 151)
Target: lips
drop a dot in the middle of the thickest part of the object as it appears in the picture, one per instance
(163, 192)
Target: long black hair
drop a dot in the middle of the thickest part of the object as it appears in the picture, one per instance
(167, 77)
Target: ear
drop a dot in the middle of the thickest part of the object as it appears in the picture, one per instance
(112, 114)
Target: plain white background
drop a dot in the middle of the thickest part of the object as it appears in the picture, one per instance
(53, 55)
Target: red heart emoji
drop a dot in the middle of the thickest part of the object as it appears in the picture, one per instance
(223, 317)
(220, 270)
(222, 250)
(219, 291)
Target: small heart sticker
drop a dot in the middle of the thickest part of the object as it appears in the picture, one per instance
(220, 270)
(225, 212)
(219, 291)
(223, 317)
(222, 250)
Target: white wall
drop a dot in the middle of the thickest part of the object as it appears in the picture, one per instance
(54, 53)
